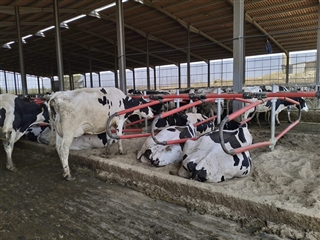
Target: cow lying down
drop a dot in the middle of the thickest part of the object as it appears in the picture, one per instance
(205, 160)
(161, 155)
(84, 142)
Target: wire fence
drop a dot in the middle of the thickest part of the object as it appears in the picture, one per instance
(259, 70)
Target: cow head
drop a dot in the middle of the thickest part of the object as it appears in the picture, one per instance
(303, 104)
(129, 102)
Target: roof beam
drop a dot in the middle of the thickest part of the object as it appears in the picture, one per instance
(112, 42)
(28, 10)
(185, 24)
(249, 19)
(270, 6)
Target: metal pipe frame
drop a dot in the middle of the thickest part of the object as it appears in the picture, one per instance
(271, 143)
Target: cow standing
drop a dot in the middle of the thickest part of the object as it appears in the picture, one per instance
(16, 116)
(86, 111)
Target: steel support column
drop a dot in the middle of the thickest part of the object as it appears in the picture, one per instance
(155, 78)
(58, 45)
(318, 51)
(5, 80)
(38, 79)
(21, 61)
(179, 75)
(90, 69)
(287, 67)
(15, 79)
(238, 50)
(208, 74)
(188, 57)
(121, 46)
(134, 79)
(116, 82)
(147, 61)
(70, 75)
(99, 77)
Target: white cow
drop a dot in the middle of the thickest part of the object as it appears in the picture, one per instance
(181, 127)
(16, 116)
(86, 111)
(84, 142)
(205, 160)
(160, 155)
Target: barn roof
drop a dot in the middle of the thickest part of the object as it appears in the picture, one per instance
(289, 25)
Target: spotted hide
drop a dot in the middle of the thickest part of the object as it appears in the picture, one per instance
(181, 119)
(16, 116)
(205, 160)
(161, 155)
(84, 142)
(86, 111)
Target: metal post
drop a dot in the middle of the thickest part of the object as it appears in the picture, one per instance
(188, 57)
(38, 78)
(85, 80)
(147, 60)
(5, 80)
(99, 76)
(134, 79)
(218, 101)
(90, 69)
(121, 46)
(58, 45)
(273, 120)
(208, 73)
(19, 40)
(318, 52)
(116, 82)
(287, 67)
(15, 80)
(238, 50)
(179, 76)
(69, 71)
(155, 78)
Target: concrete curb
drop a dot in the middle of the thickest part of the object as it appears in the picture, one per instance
(194, 195)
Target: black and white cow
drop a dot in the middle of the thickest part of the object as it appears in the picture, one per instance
(86, 111)
(34, 131)
(181, 119)
(174, 127)
(16, 116)
(205, 160)
(84, 142)
(161, 155)
(282, 104)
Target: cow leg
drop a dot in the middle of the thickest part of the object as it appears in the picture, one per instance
(8, 145)
(63, 148)
(257, 116)
(277, 119)
(289, 118)
(119, 133)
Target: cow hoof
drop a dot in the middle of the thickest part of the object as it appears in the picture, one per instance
(69, 178)
(12, 168)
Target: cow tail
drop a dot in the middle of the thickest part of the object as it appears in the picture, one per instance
(55, 117)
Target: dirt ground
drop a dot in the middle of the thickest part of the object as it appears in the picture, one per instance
(36, 203)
